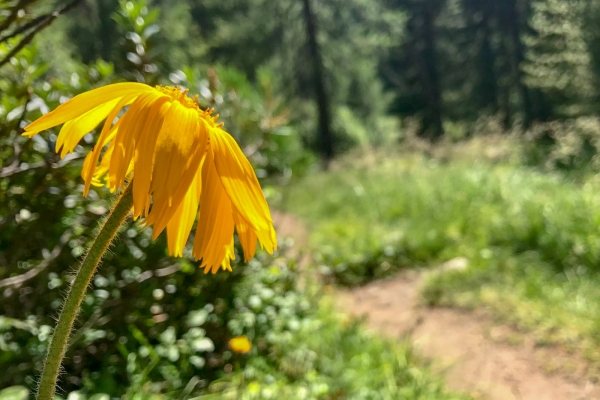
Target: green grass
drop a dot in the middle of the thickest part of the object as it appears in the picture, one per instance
(532, 239)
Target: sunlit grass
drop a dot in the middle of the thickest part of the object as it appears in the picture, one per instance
(531, 238)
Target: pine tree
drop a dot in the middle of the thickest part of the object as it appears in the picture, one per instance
(413, 69)
(557, 61)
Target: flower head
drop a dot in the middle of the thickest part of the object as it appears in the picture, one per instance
(181, 160)
(240, 344)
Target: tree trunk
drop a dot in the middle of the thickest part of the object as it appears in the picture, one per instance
(514, 26)
(489, 81)
(504, 87)
(326, 141)
(432, 122)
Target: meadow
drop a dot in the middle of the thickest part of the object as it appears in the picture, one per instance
(530, 236)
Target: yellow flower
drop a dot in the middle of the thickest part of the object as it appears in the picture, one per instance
(181, 161)
(240, 344)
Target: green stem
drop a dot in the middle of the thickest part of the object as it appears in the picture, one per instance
(60, 339)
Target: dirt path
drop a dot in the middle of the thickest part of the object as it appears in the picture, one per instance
(476, 356)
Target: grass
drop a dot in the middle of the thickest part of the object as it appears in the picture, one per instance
(531, 238)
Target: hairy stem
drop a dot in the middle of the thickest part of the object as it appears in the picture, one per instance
(70, 310)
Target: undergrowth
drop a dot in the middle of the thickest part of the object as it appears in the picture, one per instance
(301, 349)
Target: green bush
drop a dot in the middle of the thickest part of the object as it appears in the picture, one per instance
(134, 323)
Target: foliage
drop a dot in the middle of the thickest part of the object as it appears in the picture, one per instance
(305, 351)
(148, 293)
(558, 63)
(379, 214)
(301, 349)
(138, 27)
(570, 146)
(441, 62)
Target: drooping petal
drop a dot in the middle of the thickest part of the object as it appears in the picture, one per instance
(102, 170)
(214, 233)
(180, 147)
(100, 173)
(180, 224)
(91, 170)
(86, 162)
(106, 135)
(74, 130)
(83, 103)
(242, 187)
(246, 235)
(131, 125)
(145, 144)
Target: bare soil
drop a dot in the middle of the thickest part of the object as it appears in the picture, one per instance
(476, 356)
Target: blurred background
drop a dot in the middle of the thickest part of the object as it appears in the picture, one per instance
(450, 144)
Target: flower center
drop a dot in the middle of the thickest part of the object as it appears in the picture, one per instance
(176, 93)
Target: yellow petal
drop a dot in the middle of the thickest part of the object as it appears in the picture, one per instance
(108, 132)
(180, 224)
(74, 130)
(86, 162)
(90, 168)
(242, 187)
(145, 145)
(214, 234)
(100, 173)
(83, 103)
(132, 124)
(180, 147)
(102, 169)
(246, 235)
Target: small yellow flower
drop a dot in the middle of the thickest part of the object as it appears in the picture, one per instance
(240, 344)
(181, 160)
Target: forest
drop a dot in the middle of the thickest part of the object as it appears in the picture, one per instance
(447, 146)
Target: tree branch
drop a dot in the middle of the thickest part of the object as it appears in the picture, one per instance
(32, 273)
(16, 169)
(14, 13)
(41, 22)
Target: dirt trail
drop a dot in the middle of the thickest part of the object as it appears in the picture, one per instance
(475, 355)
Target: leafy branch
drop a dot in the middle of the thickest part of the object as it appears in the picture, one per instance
(32, 27)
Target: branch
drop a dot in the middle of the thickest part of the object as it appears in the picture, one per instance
(16, 169)
(25, 27)
(14, 13)
(42, 22)
(32, 273)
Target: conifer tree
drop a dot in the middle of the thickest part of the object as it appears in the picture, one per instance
(557, 61)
